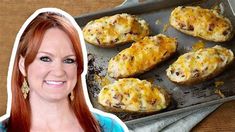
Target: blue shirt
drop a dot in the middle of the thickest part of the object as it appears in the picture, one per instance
(107, 124)
(3, 126)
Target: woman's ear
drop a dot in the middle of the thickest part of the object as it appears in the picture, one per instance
(22, 66)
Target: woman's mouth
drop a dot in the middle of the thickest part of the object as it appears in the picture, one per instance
(54, 83)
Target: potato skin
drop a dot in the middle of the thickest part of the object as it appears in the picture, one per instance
(197, 66)
(142, 56)
(114, 30)
(203, 23)
(133, 95)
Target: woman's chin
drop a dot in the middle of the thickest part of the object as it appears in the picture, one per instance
(50, 97)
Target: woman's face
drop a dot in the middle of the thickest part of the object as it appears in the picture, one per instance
(53, 73)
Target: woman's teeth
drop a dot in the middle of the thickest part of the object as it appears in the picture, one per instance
(54, 82)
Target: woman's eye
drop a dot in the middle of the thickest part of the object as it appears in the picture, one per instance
(45, 59)
(69, 61)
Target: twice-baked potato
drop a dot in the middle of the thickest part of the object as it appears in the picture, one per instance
(110, 31)
(197, 66)
(204, 23)
(133, 95)
(142, 56)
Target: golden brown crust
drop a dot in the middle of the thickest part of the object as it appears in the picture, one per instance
(133, 95)
(201, 65)
(142, 56)
(203, 23)
(114, 30)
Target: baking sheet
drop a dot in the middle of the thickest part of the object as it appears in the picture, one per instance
(184, 98)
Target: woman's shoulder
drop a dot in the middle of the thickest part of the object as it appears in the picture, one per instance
(108, 124)
(3, 125)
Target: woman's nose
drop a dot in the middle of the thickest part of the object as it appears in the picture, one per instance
(58, 69)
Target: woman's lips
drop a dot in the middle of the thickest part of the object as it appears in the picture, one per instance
(54, 83)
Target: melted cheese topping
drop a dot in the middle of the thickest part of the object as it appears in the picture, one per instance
(198, 45)
(204, 23)
(199, 64)
(117, 29)
(132, 94)
(142, 56)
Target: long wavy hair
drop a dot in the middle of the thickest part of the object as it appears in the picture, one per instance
(30, 41)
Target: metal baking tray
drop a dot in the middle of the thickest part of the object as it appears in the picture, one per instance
(184, 98)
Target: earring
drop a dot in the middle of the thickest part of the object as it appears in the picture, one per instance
(25, 89)
(71, 96)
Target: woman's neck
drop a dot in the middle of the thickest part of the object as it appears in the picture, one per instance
(51, 115)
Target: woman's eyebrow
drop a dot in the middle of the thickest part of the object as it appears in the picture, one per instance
(72, 55)
(51, 54)
(44, 52)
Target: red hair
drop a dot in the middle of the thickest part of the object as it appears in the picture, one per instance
(20, 118)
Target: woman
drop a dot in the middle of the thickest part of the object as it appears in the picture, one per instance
(47, 93)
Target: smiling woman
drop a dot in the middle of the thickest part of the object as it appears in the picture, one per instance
(52, 74)
(47, 93)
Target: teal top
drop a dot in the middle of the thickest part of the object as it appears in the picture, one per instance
(107, 124)
(3, 126)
